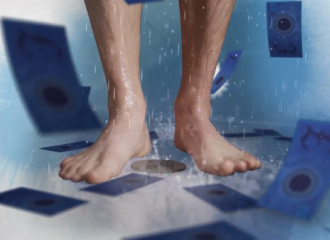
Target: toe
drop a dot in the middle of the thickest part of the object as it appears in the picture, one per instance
(83, 170)
(251, 162)
(69, 162)
(66, 162)
(227, 168)
(241, 166)
(94, 178)
(103, 172)
(258, 164)
(97, 176)
(64, 175)
(72, 172)
(66, 172)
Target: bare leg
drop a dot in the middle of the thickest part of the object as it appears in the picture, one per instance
(116, 27)
(203, 25)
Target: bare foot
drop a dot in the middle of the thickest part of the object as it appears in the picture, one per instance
(196, 135)
(124, 138)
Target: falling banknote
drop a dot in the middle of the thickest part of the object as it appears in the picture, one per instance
(46, 78)
(227, 69)
(284, 29)
(212, 231)
(38, 202)
(303, 179)
(124, 184)
(222, 197)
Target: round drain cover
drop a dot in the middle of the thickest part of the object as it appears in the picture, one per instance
(158, 166)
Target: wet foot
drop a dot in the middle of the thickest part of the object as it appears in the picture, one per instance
(196, 135)
(123, 138)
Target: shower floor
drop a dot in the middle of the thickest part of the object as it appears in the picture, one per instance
(158, 207)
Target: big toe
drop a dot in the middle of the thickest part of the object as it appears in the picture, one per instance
(102, 173)
(95, 177)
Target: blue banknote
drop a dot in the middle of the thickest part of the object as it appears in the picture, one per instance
(85, 91)
(241, 135)
(284, 139)
(213, 231)
(267, 132)
(37, 47)
(227, 69)
(38, 202)
(223, 198)
(69, 146)
(303, 180)
(153, 135)
(45, 76)
(284, 29)
(123, 184)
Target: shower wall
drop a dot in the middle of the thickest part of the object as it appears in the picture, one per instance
(262, 89)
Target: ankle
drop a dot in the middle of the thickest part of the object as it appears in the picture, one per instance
(192, 106)
(125, 98)
(137, 111)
